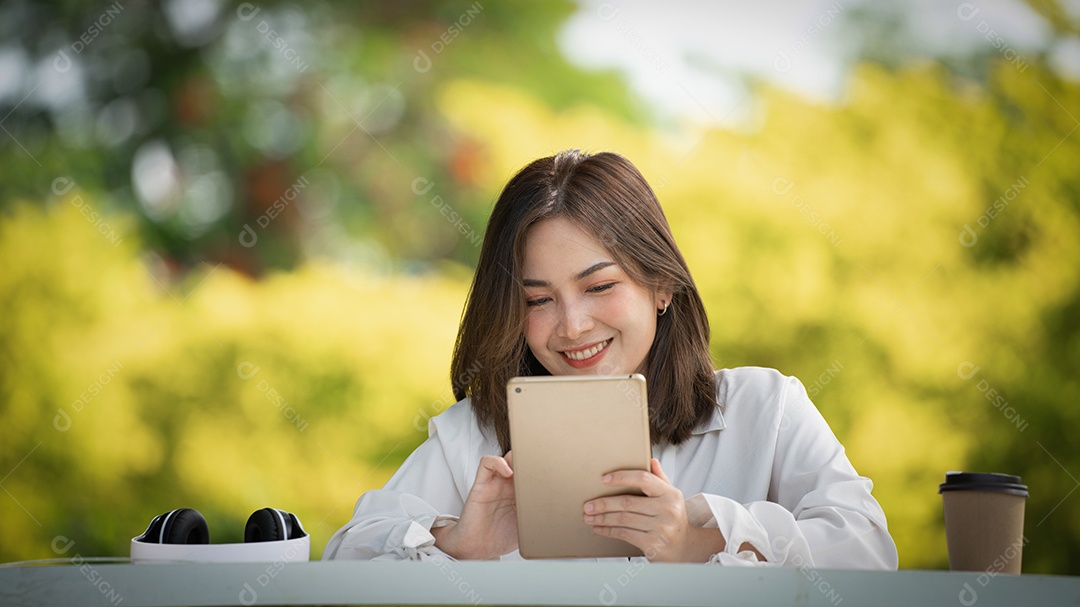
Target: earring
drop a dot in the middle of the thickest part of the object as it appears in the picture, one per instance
(664, 311)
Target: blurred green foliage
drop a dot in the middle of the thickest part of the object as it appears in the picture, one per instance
(147, 363)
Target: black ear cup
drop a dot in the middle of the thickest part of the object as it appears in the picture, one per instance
(272, 525)
(187, 526)
(180, 526)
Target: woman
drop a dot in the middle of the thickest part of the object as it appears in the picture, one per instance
(579, 274)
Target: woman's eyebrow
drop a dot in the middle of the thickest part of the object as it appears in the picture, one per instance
(533, 282)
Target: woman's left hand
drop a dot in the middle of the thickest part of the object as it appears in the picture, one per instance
(655, 522)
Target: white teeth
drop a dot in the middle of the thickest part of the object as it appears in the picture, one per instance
(591, 352)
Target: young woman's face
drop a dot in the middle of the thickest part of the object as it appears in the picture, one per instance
(585, 316)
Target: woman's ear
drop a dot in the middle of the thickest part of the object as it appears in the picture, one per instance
(663, 299)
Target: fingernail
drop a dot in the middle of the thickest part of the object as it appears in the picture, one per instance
(607, 478)
(589, 518)
(589, 507)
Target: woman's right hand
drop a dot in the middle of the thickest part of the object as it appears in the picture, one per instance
(487, 528)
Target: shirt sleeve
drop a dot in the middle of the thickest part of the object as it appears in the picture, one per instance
(820, 512)
(395, 522)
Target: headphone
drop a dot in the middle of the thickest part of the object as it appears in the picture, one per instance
(187, 526)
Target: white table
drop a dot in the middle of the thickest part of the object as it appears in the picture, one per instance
(530, 583)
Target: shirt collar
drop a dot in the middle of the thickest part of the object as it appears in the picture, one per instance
(715, 423)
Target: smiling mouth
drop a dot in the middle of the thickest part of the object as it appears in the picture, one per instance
(587, 353)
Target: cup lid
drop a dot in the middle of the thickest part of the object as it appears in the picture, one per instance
(983, 481)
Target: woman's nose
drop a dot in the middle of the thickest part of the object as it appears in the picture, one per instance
(574, 320)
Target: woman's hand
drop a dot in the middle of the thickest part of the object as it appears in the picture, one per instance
(487, 528)
(656, 522)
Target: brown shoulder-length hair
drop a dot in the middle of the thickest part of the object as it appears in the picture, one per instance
(606, 196)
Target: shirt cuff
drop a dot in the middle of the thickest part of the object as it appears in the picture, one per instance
(412, 540)
(768, 527)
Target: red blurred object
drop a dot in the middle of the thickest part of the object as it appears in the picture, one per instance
(195, 101)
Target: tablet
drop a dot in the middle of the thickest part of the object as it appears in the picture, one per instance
(566, 432)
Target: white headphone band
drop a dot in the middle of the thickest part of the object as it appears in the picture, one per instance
(284, 527)
(161, 533)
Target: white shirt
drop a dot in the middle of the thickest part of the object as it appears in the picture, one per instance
(765, 468)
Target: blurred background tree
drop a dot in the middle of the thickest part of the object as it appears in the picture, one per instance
(236, 239)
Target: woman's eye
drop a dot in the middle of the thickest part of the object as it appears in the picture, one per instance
(536, 302)
(600, 288)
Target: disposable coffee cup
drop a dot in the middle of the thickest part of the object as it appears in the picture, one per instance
(984, 521)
